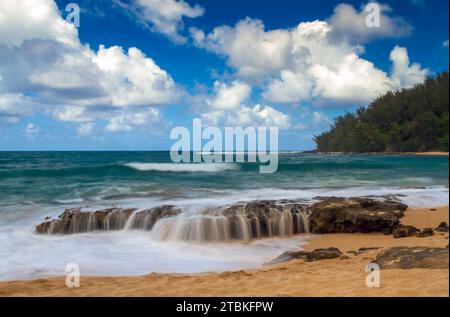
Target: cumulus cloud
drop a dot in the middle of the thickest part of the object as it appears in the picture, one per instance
(249, 49)
(163, 16)
(245, 116)
(349, 23)
(40, 54)
(404, 74)
(231, 96)
(126, 121)
(305, 63)
(226, 105)
(14, 105)
(71, 114)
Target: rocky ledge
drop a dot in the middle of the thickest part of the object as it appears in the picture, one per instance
(256, 219)
(78, 221)
(341, 215)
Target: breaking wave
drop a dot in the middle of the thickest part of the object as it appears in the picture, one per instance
(184, 167)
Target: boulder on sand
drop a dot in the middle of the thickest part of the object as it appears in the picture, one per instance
(413, 258)
(351, 215)
(315, 255)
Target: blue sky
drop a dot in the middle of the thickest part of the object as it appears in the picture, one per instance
(134, 69)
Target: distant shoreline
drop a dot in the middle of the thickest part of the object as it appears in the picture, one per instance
(432, 153)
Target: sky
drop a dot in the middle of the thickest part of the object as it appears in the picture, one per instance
(132, 70)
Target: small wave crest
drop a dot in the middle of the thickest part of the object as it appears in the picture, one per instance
(69, 201)
(183, 167)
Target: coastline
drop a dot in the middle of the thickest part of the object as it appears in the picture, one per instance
(335, 277)
(431, 153)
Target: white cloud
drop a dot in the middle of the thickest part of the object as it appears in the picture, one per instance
(306, 63)
(71, 114)
(31, 19)
(245, 116)
(445, 44)
(249, 49)
(349, 23)
(125, 121)
(31, 130)
(230, 96)
(133, 78)
(404, 74)
(40, 53)
(163, 16)
(15, 105)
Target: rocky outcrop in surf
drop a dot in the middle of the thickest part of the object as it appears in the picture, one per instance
(77, 221)
(243, 221)
(350, 215)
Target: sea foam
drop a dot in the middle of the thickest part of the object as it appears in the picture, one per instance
(183, 167)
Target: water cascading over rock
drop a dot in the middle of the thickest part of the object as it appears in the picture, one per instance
(76, 221)
(241, 222)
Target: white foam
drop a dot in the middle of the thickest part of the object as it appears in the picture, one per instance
(69, 201)
(183, 167)
(26, 255)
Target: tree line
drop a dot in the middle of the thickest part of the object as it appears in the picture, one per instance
(410, 120)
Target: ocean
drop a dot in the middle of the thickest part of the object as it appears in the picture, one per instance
(35, 185)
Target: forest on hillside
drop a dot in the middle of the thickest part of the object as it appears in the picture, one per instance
(410, 120)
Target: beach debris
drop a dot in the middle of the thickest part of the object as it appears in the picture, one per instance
(413, 258)
(443, 227)
(315, 255)
(355, 215)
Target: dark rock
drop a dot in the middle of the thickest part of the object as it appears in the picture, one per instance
(413, 258)
(387, 231)
(76, 221)
(427, 232)
(443, 227)
(315, 255)
(401, 231)
(354, 215)
(365, 249)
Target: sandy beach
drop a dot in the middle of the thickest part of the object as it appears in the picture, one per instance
(336, 277)
(428, 153)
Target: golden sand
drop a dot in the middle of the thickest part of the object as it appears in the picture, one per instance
(337, 277)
